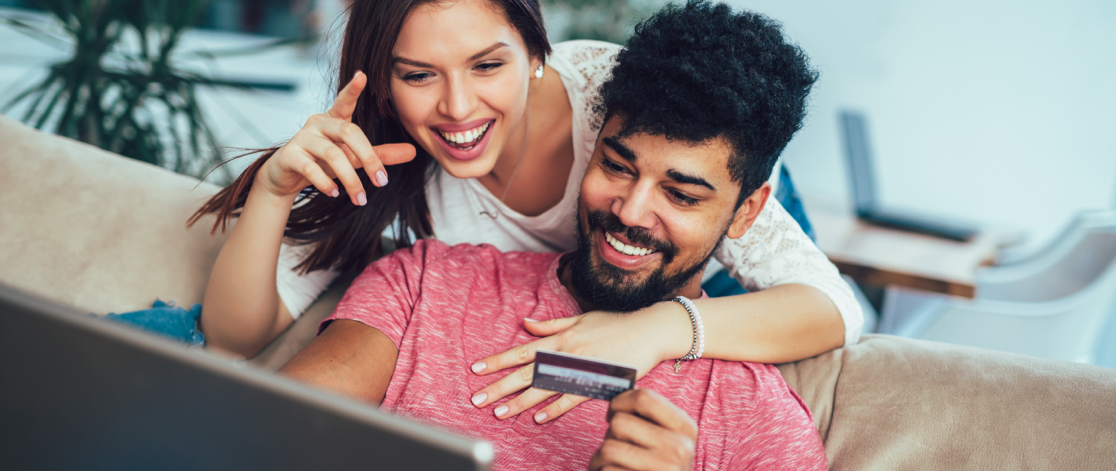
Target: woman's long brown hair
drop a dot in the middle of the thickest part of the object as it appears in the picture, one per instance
(345, 236)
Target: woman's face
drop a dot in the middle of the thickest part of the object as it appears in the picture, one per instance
(459, 82)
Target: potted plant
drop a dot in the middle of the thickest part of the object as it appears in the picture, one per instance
(119, 89)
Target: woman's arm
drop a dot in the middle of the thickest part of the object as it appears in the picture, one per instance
(242, 310)
(784, 323)
(777, 325)
(775, 252)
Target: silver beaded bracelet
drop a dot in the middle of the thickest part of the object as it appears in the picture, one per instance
(699, 332)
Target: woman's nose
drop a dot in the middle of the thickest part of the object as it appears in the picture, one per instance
(458, 100)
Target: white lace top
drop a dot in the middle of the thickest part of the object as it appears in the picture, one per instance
(774, 251)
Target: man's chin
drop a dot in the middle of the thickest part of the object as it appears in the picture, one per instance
(622, 278)
(611, 288)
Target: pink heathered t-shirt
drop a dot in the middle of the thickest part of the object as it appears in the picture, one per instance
(447, 307)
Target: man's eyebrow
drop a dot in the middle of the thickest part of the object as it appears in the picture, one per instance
(675, 175)
(619, 148)
(413, 63)
(688, 179)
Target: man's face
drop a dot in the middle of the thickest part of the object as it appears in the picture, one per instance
(651, 213)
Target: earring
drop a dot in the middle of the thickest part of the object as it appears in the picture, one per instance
(539, 72)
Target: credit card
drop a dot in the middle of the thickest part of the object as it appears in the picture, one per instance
(574, 374)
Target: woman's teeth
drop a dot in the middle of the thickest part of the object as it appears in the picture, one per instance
(465, 139)
(625, 248)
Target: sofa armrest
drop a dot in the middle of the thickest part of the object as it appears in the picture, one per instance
(95, 230)
(895, 403)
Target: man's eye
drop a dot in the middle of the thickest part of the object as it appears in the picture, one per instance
(681, 198)
(613, 166)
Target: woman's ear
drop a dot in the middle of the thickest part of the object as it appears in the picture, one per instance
(537, 66)
(747, 213)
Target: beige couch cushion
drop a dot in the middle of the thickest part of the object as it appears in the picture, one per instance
(94, 230)
(892, 403)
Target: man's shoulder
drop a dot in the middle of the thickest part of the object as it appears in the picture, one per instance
(433, 252)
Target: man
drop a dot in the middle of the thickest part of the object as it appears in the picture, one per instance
(696, 112)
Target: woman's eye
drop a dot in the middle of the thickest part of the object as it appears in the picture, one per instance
(681, 198)
(418, 77)
(489, 66)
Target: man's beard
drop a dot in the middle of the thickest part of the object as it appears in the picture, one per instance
(606, 286)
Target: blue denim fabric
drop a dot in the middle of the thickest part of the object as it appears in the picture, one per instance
(792, 203)
(167, 320)
(722, 284)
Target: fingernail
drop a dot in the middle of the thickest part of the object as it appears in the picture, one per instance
(530, 320)
(334, 193)
(479, 367)
(479, 398)
(500, 411)
(381, 178)
(362, 199)
(355, 75)
(540, 417)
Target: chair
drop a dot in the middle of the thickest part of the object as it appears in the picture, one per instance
(1070, 261)
(1052, 305)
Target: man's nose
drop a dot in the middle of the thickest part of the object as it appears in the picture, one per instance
(635, 208)
(458, 99)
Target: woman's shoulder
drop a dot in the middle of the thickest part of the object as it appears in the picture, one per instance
(585, 50)
(584, 65)
(585, 62)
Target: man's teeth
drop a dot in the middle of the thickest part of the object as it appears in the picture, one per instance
(625, 248)
(465, 136)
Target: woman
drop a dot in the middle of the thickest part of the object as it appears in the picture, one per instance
(472, 128)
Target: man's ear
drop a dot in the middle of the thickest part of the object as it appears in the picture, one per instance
(749, 211)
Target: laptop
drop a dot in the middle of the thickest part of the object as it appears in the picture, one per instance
(77, 392)
(863, 179)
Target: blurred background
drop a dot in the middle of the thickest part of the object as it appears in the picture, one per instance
(994, 113)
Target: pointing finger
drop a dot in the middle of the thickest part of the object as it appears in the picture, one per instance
(346, 100)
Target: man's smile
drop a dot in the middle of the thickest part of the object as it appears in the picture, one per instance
(616, 250)
(624, 248)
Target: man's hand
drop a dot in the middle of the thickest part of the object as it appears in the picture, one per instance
(646, 431)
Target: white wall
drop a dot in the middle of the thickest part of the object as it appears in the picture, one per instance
(994, 111)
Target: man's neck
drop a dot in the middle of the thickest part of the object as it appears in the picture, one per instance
(692, 290)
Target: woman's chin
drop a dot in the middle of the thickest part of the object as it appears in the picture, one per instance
(474, 168)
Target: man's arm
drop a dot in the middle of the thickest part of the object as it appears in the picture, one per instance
(646, 431)
(349, 358)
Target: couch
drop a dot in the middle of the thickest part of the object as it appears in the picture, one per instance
(106, 234)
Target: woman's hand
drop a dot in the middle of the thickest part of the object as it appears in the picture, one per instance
(642, 339)
(330, 146)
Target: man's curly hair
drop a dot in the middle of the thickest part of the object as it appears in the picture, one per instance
(701, 71)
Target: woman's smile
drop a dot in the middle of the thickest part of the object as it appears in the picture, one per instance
(464, 141)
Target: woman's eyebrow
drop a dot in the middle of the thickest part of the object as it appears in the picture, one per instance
(488, 50)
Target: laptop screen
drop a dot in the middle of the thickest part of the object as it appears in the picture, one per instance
(861, 176)
(83, 393)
